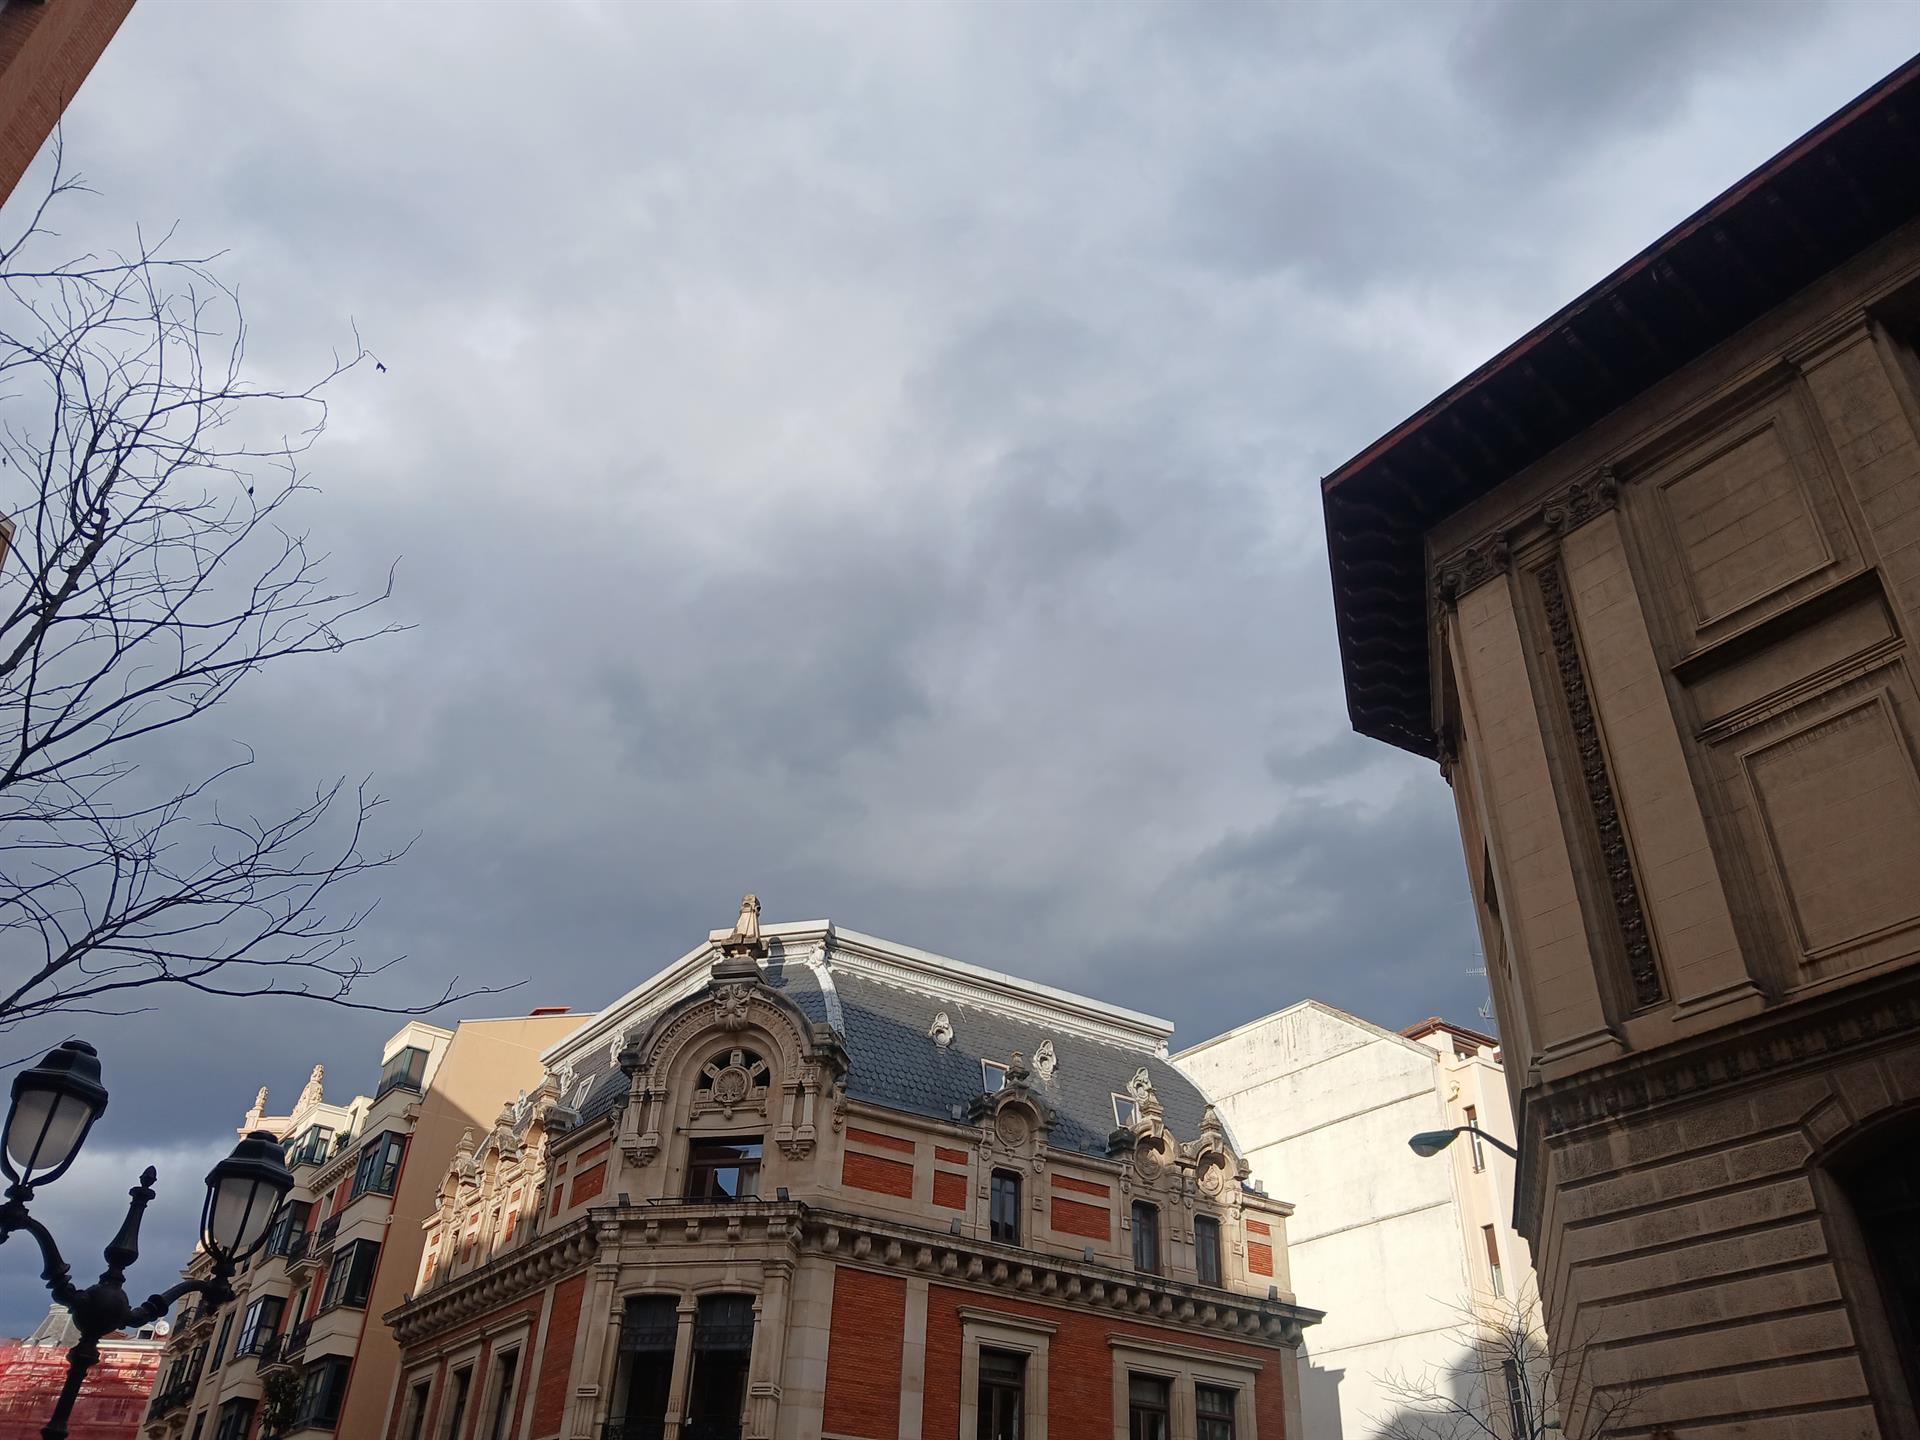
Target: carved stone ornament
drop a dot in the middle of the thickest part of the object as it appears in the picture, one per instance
(732, 1005)
(1582, 501)
(314, 1092)
(1643, 971)
(1012, 1127)
(1044, 1060)
(941, 1031)
(1471, 567)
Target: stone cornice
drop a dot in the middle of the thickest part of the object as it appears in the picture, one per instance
(1562, 512)
(1036, 1275)
(505, 1278)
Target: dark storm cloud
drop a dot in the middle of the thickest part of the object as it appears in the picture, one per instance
(869, 456)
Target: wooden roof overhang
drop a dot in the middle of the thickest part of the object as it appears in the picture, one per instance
(1845, 184)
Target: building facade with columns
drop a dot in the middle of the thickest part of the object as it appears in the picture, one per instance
(1645, 585)
(805, 1183)
(300, 1350)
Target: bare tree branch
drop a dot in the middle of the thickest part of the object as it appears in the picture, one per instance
(155, 565)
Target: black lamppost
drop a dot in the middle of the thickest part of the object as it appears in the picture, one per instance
(54, 1106)
(1432, 1142)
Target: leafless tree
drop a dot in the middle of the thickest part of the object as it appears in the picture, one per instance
(154, 566)
(1507, 1384)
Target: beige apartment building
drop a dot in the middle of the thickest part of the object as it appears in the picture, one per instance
(346, 1245)
(1644, 585)
(1400, 1251)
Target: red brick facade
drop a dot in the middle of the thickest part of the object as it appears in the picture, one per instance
(875, 1173)
(863, 1367)
(885, 1142)
(1075, 1217)
(563, 1324)
(587, 1184)
(949, 1190)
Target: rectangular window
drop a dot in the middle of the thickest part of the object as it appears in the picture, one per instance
(417, 1410)
(1493, 1258)
(323, 1385)
(1148, 1407)
(379, 1168)
(289, 1226)
(724, 1169)
(313, 1146)
(1206, 1249)
(1003, 1394)
(236, 1419)
(993, 1076)
(1126, 1111)
(220, 1345)
(199, 1424)
(1479, 1155)
(717, 1389)
(1146, 1238)
(1519, 1410)
(405, 1071)
(457, 1412)
(350, 1280)
(505, 1369)
(261, 1326)
(1213, 1412)
(648, 1333)
(1004, 1211)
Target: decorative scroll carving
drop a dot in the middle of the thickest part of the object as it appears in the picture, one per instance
(1582, 501)
(1471, 567)
(1642, 970)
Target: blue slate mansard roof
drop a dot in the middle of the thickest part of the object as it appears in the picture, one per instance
(881, 998)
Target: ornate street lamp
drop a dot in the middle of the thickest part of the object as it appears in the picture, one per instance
(54, 1106)
(1432, 1142)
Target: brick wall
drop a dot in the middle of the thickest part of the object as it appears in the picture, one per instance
(950, 1156)
(1080, 1366)
(874, 1172)
(1076, 1217)
(556, 1365)
(949, 1189)
(588, 1183)
(885, 1142)
(45, 53)
(863, 1364)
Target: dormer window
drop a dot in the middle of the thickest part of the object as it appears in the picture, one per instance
(993, 1076)
(1126, 1111)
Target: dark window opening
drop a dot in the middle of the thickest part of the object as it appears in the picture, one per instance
(236, 1419)
(648, 1333)
(1519, 1412)
(220, 1345)
(1213, 1412)
(1148, 1407)
(261, 1326)
(405, 1071)
(717, 1388)
(1146, 1238)
(1003, 1394)
(350, 1280)
(1882, 1188)
(313, 1146)
(323, 1386)
(457, 1412)
(1004, 1210)
(379, 1168)
(505, 1370)
(1206, 1249)
(724, 1169)
(417, 1410)
(289, 1227)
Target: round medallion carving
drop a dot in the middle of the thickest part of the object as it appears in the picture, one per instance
(1150, 1159)
(1012, 1128)
(731, 1085)
(1213, 1175)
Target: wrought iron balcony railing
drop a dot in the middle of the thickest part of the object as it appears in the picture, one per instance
(622, 1429)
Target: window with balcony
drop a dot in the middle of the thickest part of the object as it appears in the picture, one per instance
(350, 1280)
(1003, 1395)
(379, 1168)
(649, 1331)
(1213, 1412)
(260, 1326)
(1146, 1238)
(405, 1071)
(717, 1389)
(323, 1385)
(1003, 1217)
(236, 1420)
(312, 1147)
(726, 1169)
(1206, 1249)
(1149, 1407)
(289, 1226)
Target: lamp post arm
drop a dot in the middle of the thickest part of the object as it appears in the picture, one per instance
(1494, 1140)
(55, 1271)
(215, 1290)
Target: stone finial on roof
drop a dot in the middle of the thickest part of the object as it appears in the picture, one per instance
(941, 1031)
(258, 1112)
(314, 1092)
(743, 948)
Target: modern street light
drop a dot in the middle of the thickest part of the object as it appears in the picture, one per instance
(1432, 1142)
(54, 1105)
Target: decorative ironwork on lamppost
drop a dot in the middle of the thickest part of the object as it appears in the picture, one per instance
(54, 1105)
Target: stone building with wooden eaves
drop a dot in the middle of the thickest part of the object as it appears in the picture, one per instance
(804, 1183)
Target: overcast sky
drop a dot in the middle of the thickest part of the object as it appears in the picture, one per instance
(867, 455)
